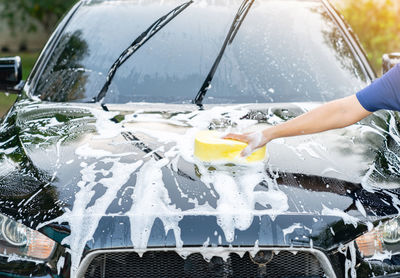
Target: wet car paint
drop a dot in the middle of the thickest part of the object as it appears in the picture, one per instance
(39, 142)
(307, 194)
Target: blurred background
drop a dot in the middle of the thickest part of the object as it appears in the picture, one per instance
(25, 26)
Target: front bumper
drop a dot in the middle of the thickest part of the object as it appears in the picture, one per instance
(165, 262)
(56, 266)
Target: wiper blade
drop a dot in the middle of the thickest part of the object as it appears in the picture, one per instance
(135, 45)
(237, 22)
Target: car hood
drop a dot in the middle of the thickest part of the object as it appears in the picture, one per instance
(127, 178)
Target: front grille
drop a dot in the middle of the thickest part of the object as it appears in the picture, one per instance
(169, 264)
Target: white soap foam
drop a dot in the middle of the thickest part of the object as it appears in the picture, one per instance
(7, 166)
(151, 201)
(291, 229)
(84, 220)
(361, 208)
(380, 256)
(237, 198)
(15, 257)
(350, 263)
(60, 264)
(235, 207)
(348, 219)
(255, 141)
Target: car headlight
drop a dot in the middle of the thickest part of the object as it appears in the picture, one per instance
(17, 239)
(384, 238)
(391, 231)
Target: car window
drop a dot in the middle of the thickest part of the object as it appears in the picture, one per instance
(285, 51)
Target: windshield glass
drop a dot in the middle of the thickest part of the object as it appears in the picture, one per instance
(285, 51)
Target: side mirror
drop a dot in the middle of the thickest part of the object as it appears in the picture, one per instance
(389, 61)
(11, 74)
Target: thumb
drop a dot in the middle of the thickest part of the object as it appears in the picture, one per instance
(254, 141)
(246, 151)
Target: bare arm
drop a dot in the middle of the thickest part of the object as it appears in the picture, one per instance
(335, 114)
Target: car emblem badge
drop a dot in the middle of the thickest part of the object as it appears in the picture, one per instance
(262, 257)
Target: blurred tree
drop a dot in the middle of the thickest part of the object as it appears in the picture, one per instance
(377, 25)
(26, 14)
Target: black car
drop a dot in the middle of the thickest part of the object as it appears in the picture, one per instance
(97, 172)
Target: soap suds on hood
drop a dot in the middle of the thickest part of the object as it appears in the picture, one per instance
(235, 208)
(234, 187)
(151, 201)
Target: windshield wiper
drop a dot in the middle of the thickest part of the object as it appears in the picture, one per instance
(237, 22)
(136, 44)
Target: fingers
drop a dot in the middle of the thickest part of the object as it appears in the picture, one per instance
(238, 137)
(246, 151)
(245, 137)
(253, 139)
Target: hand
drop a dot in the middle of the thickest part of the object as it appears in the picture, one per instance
(254, 140)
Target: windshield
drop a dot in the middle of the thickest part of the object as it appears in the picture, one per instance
(285, 51)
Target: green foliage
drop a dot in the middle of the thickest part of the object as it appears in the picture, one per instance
(377, 25)
(19, 13)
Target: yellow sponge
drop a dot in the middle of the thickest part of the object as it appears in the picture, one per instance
(209, 146)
